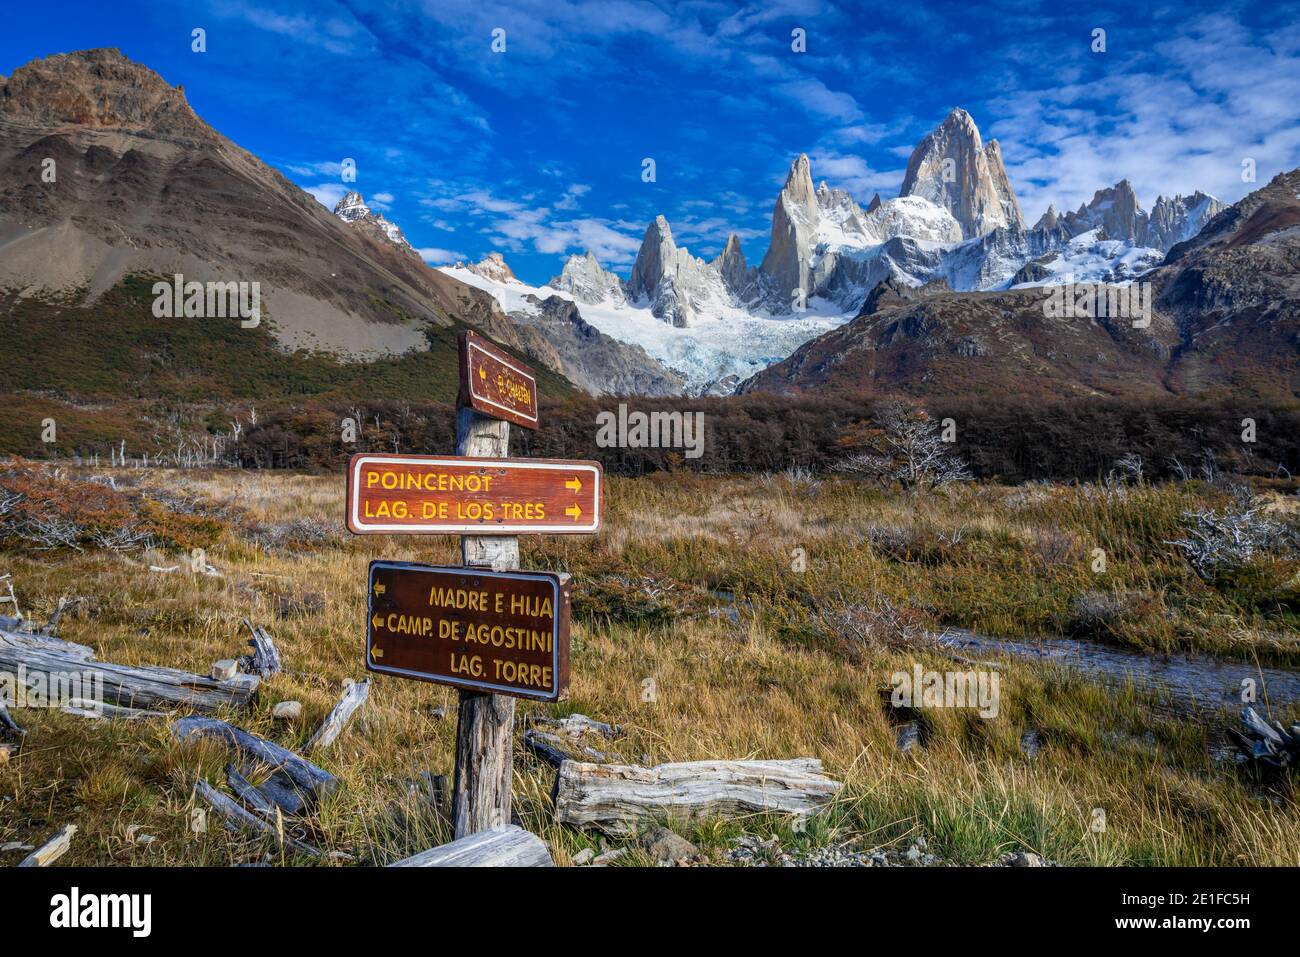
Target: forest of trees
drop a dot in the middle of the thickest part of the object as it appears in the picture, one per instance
(1007, 441)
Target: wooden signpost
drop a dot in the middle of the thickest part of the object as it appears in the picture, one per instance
(492, 632)
(500, 632)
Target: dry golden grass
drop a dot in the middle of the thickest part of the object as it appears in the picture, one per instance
(772, 684)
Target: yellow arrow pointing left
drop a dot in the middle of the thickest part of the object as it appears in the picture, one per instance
(380, 588)
(377, 621)
(376, 652)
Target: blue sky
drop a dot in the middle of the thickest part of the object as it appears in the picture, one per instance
(537, 151)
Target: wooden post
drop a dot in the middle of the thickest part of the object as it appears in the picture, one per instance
(480, 797)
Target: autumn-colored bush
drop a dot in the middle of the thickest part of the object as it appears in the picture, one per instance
(47, 509)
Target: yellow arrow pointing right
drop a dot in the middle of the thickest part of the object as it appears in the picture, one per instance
(573, 512)
(573, 485)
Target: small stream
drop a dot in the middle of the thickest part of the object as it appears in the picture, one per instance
(1201, 682)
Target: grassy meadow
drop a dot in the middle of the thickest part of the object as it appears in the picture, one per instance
(769, 613)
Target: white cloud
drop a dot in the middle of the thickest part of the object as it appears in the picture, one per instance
(327, 194)
(440, 257)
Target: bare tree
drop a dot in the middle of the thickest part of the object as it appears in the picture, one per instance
(1228, 537)
(905, 447)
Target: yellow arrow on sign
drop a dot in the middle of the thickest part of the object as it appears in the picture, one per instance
(376, 652)
(377, 620)
(573, 512)
(380, 588)
(573, 485)
(482, 373)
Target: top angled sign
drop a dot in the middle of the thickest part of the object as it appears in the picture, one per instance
(495, 384)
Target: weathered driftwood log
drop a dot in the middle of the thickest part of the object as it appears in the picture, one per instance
(265, 659)
(622, 799)
(509, 846)
(306, 777)
(7, 722)
(548, 747)
(555, 750)
(144, 686)
(248, 792)
(51, 850)
(480, 797)
(353, 697)
(1269, 748)
(238, 818)
(578, 724)
(95, 710)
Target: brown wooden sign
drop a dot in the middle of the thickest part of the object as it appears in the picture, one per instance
(498, 632)
(458, 495)
(496, 384)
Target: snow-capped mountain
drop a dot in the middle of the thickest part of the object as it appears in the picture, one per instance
(353, 209)
(585, 281)
(951, 167)
(956, 220)
(710, 356)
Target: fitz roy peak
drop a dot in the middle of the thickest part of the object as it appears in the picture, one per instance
(956, 223)
(952, 168)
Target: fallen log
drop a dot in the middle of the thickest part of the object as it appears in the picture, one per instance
(306, 777)
(239, 819)
(265, 659)
(555, 750)
(51, 850)
(578, 724)
(1270, 749)
(353, 697)
(98, 711)
(509, 846)
(622, 799)
(248, 792)
(144, 686)
(7, 722)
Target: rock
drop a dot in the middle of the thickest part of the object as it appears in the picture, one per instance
(16, 846)
(493, 266)
(608, 857)
(437, 713)
(6, 750)
(287, 711)
(909, 736)
(1029, 744)
(225, 669)
(583, 856)
(665, 845)
(1023, 859)
(913, 854)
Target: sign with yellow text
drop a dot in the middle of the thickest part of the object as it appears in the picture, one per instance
(455, 495)
(496, 384)
(491, 632)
